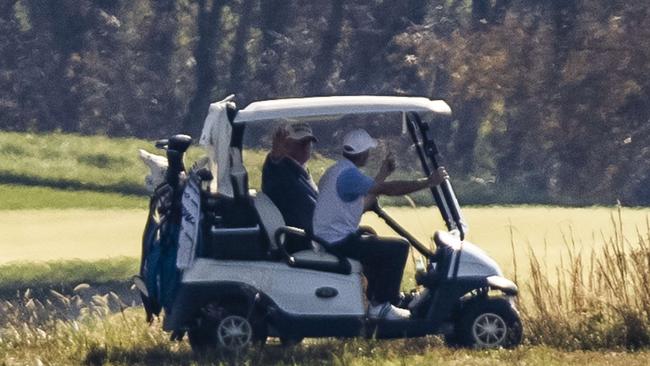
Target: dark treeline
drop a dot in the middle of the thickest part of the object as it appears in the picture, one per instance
(550, 97)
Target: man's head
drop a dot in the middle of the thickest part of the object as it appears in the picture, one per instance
(356, 146)
(299, 141)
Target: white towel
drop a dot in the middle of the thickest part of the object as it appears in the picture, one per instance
(216, 136)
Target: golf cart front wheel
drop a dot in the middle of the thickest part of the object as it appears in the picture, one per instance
(490, 323)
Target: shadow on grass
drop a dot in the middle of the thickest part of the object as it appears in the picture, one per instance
(124, 188)
(98, 355)
(64, 274)
(326, 351)
(321, 354)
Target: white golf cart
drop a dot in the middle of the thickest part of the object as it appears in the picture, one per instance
(215, 261)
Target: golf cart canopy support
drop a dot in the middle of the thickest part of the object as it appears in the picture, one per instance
(337, 105)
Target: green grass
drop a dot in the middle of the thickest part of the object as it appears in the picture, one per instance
(22, 275)
(70, 171)
(60, 163)
(18, 197)
(66, 161)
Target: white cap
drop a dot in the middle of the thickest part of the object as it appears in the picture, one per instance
(357, 141)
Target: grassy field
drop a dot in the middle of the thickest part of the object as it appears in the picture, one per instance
(18, 197)
(72, 210)
(65, 171)
(73, 162)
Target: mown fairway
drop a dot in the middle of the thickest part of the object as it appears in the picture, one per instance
(43, 235)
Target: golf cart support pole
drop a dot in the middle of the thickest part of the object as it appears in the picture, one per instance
(443, 194)
(402, 232)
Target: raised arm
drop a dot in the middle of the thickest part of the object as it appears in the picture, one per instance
(401, 187)
(279, 144)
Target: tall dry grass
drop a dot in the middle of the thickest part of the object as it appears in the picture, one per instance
(87, 327)
(594, 299)
(77, 328)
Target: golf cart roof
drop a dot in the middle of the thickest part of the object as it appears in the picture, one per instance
(337, 105)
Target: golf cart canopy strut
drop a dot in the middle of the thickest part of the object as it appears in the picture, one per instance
(336, 106)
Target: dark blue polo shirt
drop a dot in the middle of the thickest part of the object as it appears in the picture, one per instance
(292, 189)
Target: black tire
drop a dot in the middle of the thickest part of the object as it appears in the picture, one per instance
(489, 323)
(209, 332)
(202, 337)
(451, 340)
(291, 341)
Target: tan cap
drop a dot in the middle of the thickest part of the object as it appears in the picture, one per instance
(300, 131)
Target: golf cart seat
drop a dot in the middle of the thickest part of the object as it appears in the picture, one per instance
(316, 258)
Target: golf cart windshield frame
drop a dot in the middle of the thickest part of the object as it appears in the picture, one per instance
(443, 193)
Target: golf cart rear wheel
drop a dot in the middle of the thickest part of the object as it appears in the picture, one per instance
(490, 323)
(227, 329)
(234, 333)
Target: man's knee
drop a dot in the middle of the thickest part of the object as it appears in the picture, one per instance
(402, 244)
(398, 247)
(404, 248)
(366, 230)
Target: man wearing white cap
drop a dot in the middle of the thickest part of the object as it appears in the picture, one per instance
(344, 194)
(286, 180)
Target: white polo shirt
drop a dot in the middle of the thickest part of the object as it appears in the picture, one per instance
(339, 206)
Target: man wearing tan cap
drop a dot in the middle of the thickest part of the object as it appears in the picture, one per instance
(286, 180)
